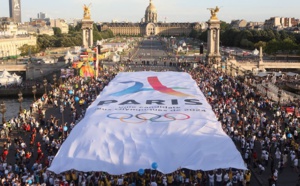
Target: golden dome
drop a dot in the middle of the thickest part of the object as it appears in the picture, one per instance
(151, 8)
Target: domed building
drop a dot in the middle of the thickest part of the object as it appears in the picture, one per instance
(150, 26)
(151, 14)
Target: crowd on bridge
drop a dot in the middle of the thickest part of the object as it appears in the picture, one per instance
(266, 137)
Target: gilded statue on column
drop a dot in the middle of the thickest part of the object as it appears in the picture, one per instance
(86, 12)
(213, 12)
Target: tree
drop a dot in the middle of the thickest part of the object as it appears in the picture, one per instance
(194, 34)
(28, 49)
(272, 47)
(224, 26)
(245, 43)
(288, 45)
(260, 44)
(57, 31)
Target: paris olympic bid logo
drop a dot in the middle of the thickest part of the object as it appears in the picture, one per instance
(144, 117)
(155, 84)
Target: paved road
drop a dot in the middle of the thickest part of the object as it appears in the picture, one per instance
(150, 49)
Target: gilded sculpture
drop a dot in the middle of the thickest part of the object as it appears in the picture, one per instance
(213, 12)
(86, 12)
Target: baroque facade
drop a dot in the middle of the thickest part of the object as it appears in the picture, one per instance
(150, 26)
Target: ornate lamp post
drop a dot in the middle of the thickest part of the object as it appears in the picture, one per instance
(62, 110)
(54, 79)
(34, 92)
(20, 101)
(279, 95)
(267, 89)
(2, 56)
(45, 85)
(226, 61)
(237, 71)
(3, 110)
(16, 54)
(69, 61)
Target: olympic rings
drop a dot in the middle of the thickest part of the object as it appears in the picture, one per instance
(143, 117)
(109, 115)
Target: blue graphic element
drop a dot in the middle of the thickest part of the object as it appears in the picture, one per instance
(137, 87)
(133, 89)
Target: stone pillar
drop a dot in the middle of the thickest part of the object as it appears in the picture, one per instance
(260, 62)
(87, 33)
(84, 38)
(213, 41)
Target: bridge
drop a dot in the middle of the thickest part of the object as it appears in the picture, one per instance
(250, 65)
(14, 67)
(33, 70)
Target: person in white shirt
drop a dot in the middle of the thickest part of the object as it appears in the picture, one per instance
(211, 177)
(295, 163)
(261, 168)
(219, 178)
(226, 177)
(153, 183)
(120, 181)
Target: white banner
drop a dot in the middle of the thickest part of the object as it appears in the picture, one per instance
(142, 118)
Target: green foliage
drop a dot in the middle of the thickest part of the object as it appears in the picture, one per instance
(245, 43)
(288, 46)
(272, 47)
(57, 31)
(224, 26)
(260, 44)
(28, 49)
(73, 38)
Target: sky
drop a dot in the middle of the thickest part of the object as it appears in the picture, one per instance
(169, 10)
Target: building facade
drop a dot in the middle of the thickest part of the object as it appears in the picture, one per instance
(280, 23)
(238, 24)
(150, 26)
(9, 46)
(60, 23)
(15, 10)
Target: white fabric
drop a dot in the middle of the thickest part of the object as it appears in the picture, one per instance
(182, 134)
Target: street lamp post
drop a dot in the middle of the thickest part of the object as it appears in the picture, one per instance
(3, 110)
(54, 80)
(62, 111)
(45, 85)
(226, 61)
(2, 56)
(69, 61)
(34, 92)
(237, 71)
(267, 89)
(7, 55)
(16, 53)
(20, 101)
(231, 69)
(279, 96)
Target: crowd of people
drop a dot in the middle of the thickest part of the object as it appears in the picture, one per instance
(265, 137)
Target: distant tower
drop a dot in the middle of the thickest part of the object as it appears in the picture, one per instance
(87, 28)
(15, 10)
(213, 37)
(151, 14)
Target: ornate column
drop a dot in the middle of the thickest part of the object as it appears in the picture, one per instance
(87, 28)
(213, 38)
